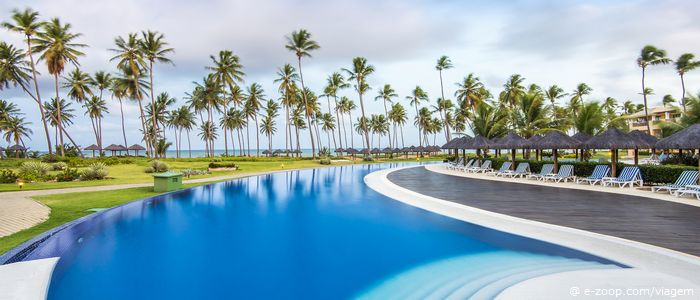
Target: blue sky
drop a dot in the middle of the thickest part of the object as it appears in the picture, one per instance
(548, 42)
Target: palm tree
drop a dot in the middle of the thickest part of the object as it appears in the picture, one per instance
(27, 23)
(163, 101)
(52, 110)
(128, 84)
(581, 90)
(424, 121)
(154, 49)
(553, 93)
(16, 129)
(207, 132)
(667, 100)
(530, 115)
(417, 96)
(235, 119)
(346, 106)
(185, 119)
(297, 119)
(590, 119)
(7, 110)
(301, 44)
(685, 63)
(398, 116)
(650, 56)
(360, 70)
(57, 47)
(328, 126)
(489, 121)
(228, 71)
(443, 106)
(78, 84)
(380, 126)
(256, 94)
(512, 89)
(286, 77)
(335, 83)
(268, 125)
(206, 96)
(468, 91)
(96, 108)
(443, 63)
(386, 94)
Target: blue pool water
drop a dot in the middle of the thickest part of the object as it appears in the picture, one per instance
(310, 234)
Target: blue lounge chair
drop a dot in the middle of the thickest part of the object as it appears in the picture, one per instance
(687, 178)
(522, 170)
(505, 167)
(629, 176)
(599, 172)
(565, 173)
(546, 170)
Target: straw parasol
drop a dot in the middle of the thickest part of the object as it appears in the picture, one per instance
(17, 148)
(387, 150)
(478, 143)
(339, 150)
(647, 141)
(114, 148)
(136, 148)
(512, 141)
(556, 140)
(278, 152)
(396, 150)
(93, 148)
(533, 139)
(612, 139)
(581, 137)
(266, 152)
(688, 138)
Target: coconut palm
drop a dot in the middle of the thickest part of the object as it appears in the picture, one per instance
(27, 23)
(207, 96)
(590, 119)
(96, 108)
(328, 126)
(268, 128)
(424, 121)
(163, 101)
(235, 119)
(133, 86)
(442, 106)
(154, 49)
(16, 129)
(52, 112)
(346, 106)
(334, 83)
(581, 90)
(512, 89)
(79, 85)
(7, 110)
(650, 56)
(684, 64)
(229, 72)
(398, 117)
(386, 94)
(443, 63)
(301, 43)
(379, 125)
(207, 132)
(489, 121)
(297, 119)
(553, 93)
(530, 115)
(417, 96)
(286, 77)
(57, 46)
(360, 71)
(468, 91)
(667, 100)
(256, 95)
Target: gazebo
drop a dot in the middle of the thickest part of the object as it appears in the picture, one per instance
(93, 148)
(647, 142)
(267, 152)
(277, 152)
(582, 137)
(533, 139)
(688, 138)
(478, 143)
(339, 150)
(556, 140)
(114, 148)
(612, 139)
(17, 148)
(513, 142)
(136, 148)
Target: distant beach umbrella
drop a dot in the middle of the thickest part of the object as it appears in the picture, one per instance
(266, 152)
(114, 148)
(339, 150)
(513, 142)
(136, 148)
(93, 148)
(396, 150)
(612, 139)
(17, 148)
(452, 143)
(688, 139)
(556, 140)
(387, 150)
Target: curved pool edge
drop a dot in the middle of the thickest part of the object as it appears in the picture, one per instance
(645, 257)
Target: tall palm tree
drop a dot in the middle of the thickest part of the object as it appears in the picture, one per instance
(133, 86)
(334, 84)
(346, 106)
(360, 70)
(185, 120)
(442, 106)
(229, 72)
(102, 81)
(667, 100)
(650, 56)
(57, 46)
(489, 121)
(207, 96)
(380, 126)
(590, 119)
(16, 129)
(581, 90)
(468, 91)
(52, 108)
(424, 121)
(301, 44)
(27, 23)
(7, 110)
(512, 89)
(530, 115)
(386, 94)
(417, 96)
(443, 63)
(207, 132)
(256, 95)
(286, 77)
(79, 85)
(684, 64)
(328, 126)
(554, 93)
(398, 117)
(154, 49)
(297, 119)
(235, 120)
(163, 101)
(96, 108)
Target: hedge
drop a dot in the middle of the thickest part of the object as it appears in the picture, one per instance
(652, 174)
(223, 164)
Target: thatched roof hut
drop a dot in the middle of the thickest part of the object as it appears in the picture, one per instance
(452, 143)
(136, 147)
(114, 148)
(612, 138)
(93, 147)
(688, 138)
(17, 147)
(649, 141)
(511, 141)
(582, 137)
(556, 140)
(339, 150)
(479, 142)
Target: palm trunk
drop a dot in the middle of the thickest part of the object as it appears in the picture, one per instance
(297, 131)
(337, 117)
(121, 109)
(153, 105)
(646, 111)
(257, 136)
(287, 128)
(386, 114)
(58, 116)
(402, 144)
(683, 88)
(146, 139)
(247, 133)
(38, 95)
(308, 119)
(352, 142)
(362, 107)
(420, 140)
(189, 145)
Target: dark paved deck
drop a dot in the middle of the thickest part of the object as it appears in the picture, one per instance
(661, 223)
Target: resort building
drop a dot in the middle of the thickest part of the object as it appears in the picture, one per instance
(656, 115)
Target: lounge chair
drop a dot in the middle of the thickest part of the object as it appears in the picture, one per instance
(505, 167)
(485, 166)
(690, 189)
(455, 163)
(687, 178)
(599, 172)
(565, 173)
(629, 175)
(522, 170)
(464, 167)
(546, 170)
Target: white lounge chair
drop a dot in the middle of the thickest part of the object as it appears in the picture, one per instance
(522, 170)
(484, 167)
(464, 167)
(565, 173)
(546, 170)
(599, 172)
(691, 189)
(452, 164)
(505, 167)
(687, 177)
(629, 176)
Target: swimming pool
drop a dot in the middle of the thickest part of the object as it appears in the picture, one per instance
(308, 234)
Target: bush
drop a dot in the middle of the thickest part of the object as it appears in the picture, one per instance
(325, 161)
(67, 175)
(324, 152)
(35, 171)
(192, 172)
(95, 171)
(368, 158)
(59, 166)
(223, 164)
(681, 159)
(8, 176)
(157, 166)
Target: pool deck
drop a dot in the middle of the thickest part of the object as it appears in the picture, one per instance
(624, 213)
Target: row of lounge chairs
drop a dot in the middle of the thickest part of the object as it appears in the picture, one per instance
(686, 184)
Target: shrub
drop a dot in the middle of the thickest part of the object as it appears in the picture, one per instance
(157, 166)
(223, 164)
(95, 171)
(192, 172)
(325, 161)
(8, 176)
(324, 152)
(59, 166)
(368, 158)
(67, 175)
(47, 158)
(34, 171)
(681, 159)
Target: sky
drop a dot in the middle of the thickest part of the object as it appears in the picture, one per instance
(547, 42)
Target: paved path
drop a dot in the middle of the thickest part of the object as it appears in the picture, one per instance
(662, 223)
(19, 211)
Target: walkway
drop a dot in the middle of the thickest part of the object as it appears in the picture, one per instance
(662, 223)
(18, 211)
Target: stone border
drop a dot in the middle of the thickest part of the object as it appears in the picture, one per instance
(638, 255)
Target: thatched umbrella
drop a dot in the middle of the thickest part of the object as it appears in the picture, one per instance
(688, 138)
(581, 137)
(266, 152)
(136, 148)
(114, 148)
(478, 143)
(463, 143)
(533, 139)
(612, 139)
(278, 152)
(396, 150)
(17, 148)
(387, 150)
(647, 142)
(339, 150)
(93, 148)
(556, 140)
(512, 141)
